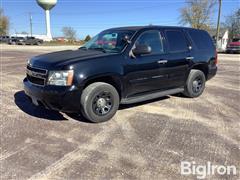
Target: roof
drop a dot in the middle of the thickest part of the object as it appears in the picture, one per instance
(137, 28)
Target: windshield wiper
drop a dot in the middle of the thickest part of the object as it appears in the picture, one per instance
(99, 49)
(83, 47)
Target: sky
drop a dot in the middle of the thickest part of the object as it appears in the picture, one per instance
(93, 16)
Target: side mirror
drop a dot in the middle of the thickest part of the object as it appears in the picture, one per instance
(142, 49)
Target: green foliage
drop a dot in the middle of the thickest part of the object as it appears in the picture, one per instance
(197, 13)
(4, 23)
(87, 38)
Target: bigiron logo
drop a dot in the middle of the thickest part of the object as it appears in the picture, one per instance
(202, 171)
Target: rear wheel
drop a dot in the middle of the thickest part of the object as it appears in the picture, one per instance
(195, 84)
(99, 102)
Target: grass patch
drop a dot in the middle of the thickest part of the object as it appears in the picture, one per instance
(57, 43)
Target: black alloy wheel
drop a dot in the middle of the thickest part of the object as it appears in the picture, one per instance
(195, 84)
(102, 103)
(99, 102)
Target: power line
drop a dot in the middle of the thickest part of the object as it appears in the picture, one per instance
(130, 10)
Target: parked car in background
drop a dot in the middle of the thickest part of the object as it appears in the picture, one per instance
(4, 39)
(20, 41)
(234, 46)
(16, 40)
(33, 41)
(60, 39)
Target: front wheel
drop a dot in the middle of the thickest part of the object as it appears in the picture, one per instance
(195, 84)
(99, 102)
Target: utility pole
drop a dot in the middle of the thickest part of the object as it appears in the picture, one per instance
(30, 18)
(218, 22)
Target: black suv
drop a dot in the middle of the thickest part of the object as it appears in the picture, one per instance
(122, 66)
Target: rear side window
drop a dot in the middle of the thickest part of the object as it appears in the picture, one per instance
(176, 41)
(201, 39)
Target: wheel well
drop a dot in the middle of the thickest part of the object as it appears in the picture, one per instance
(203, 68)
(115, 82)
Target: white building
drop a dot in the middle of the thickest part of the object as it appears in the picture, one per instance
(223, 41)
(43, 37)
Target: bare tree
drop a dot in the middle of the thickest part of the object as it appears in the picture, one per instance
(4, 23)
(197, 13)
(69, 33)
(232, 23)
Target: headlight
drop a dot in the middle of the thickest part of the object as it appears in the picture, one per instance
(60, 78)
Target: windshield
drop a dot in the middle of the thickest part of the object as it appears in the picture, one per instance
(111, 41)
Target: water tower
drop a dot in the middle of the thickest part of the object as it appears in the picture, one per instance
(47, 5)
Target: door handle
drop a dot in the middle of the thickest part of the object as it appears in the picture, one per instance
(162, 61)
(189, 58)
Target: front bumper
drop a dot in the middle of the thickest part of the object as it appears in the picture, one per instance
(233, 50)
(65, 99)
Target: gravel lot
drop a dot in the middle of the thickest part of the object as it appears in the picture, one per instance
(143, 141)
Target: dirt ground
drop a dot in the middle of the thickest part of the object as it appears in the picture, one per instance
(142, 141)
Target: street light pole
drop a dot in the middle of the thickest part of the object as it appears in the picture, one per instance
(218, 21)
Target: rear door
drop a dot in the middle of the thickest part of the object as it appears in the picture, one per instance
(179, 57)
(203, 47)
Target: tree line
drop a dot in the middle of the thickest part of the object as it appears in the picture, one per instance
(4, 23)
(71, 35)
(198, 14)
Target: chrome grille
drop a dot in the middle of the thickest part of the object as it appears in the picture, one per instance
(37, 76)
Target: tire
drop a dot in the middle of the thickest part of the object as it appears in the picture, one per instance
(195, 84)
(100, 102)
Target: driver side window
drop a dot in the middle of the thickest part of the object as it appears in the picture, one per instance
(153, 39)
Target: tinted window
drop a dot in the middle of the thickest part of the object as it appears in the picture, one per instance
(111, 41)
(176, 41)
(201, 39)
(152, 39)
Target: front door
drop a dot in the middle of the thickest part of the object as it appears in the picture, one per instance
(146, 73)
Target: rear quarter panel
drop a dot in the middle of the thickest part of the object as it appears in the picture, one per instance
(205, 56)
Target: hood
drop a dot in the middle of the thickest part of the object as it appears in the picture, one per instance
(234, 44)
(63, 57)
